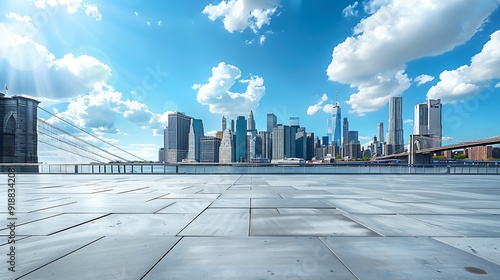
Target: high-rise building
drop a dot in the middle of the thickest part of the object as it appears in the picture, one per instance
(251, 141)
(428, 120)
(301, 143)
(165, 144)
(177, 137)
(18, 130)
(310, 146)
(272, 122)
(395, 134)
(161, 155)
(232, 126)
(325, 140)
(344, 151)
(196, 131)
(282, 142)
(226, 153)
(294, 121)
(263, 145)
(224, 125)
(251, 121)
(241, 139)
(381, 132)
(209, 149)
(336, 126)
(353, 137)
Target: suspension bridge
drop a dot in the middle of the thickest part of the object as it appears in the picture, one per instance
(61, 142)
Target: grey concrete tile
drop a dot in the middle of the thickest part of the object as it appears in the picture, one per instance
(484, 247)
(288, 203)
(264, 223)
(399, 225)
(53, 224)
(113, 257)
(408, 258)
(249, 258)
(181, 206)
(218, 224)
(468, 225)
(138, 225)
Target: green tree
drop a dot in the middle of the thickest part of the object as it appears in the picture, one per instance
(460, 156)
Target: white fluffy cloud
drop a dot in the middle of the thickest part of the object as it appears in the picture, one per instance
(71, 6)
(397, 32)
(374, 93)
(423, 79)
(100, 108)
(350, 11)
(93, 11)
(237, 15)
(18, 18)
(468, 80)
(33, 70)
(218, 96)
(313, 109)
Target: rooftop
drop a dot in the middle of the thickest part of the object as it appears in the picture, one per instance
(125, 226)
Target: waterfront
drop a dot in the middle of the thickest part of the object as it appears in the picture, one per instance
(256, 226)
(335, 168)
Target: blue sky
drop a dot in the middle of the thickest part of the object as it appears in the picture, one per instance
(117, 68)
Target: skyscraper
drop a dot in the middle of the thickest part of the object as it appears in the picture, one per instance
(196, 131)
(226, 153)
(272, 122)
(282, 142)
(177, 137)
(294, 121)
(428, 120)
(232, 126)
(395, 134)
(251, 121)
(241, 139)
(381, 132)
(336, 129)
(209, 149)
(224, 125)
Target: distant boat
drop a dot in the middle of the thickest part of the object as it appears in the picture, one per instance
(288, 161)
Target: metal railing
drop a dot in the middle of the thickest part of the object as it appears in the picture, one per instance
(248, 168)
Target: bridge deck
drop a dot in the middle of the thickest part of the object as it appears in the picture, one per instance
(256, 227)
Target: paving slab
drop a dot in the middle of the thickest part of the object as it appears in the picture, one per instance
(139, 225)
(114, 257)
(264, 223)
(467, 225)
(484, 247)
(37, 251)
(289, 203)
(249, 258)
(53, 224)
(408, 258)
(400, 225)
(214, 223)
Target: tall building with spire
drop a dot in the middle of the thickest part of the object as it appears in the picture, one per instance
(336, 126)
(226, 151)
(196, 131)
(251, 121)
(224, 124)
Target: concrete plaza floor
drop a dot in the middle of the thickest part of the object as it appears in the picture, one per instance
(253, 227)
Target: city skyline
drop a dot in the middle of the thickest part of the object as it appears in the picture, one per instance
(117, 70)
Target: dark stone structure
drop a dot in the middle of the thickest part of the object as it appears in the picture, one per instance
(18, 130)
